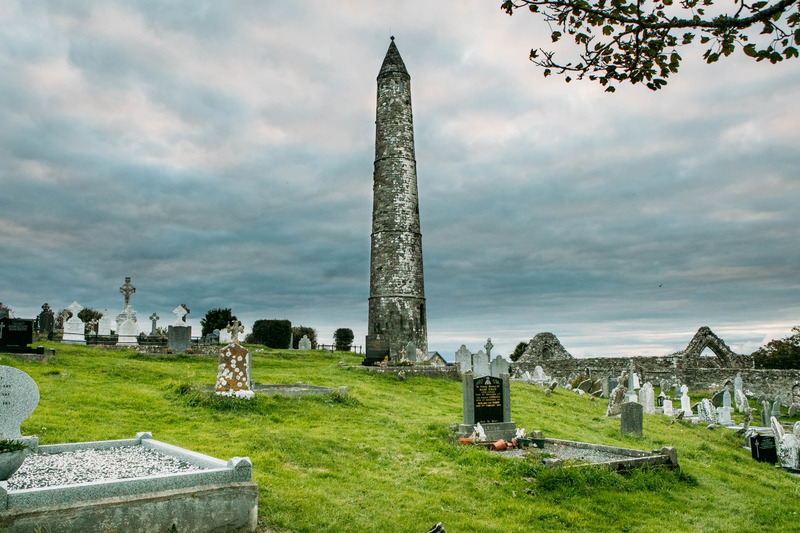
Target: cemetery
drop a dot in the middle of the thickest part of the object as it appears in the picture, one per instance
(389, 441)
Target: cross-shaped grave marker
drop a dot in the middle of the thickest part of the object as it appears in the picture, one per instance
(126, 291)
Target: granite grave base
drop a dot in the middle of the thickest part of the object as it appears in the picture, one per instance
(216, 495)
(493, 430)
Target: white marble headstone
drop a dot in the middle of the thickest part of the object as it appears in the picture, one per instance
(74, 328)
(480, 364)
(464, 359)
(647, 398)
(304, 343)
(19, 396)
(498, 366)
(104, 326)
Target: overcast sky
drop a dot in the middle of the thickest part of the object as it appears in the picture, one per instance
(221, 154)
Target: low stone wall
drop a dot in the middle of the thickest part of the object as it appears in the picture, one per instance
(429, 371)
(657, 369)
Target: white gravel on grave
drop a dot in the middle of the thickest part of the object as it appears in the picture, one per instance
(566, 453)
(83, 466)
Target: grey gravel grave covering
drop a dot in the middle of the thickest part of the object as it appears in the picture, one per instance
(83, 466)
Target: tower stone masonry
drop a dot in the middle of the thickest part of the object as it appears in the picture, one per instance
(397, 290)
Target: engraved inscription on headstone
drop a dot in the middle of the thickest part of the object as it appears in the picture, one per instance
(377, 349)
(19, 396)
(488, 399)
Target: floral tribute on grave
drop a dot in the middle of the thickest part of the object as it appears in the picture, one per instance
(233, 368)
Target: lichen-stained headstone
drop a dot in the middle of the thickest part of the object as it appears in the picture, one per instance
(233, 372)
(19, 396)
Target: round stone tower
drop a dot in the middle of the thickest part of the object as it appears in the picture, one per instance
(396, 289)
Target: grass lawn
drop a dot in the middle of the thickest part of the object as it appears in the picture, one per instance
(382, 459)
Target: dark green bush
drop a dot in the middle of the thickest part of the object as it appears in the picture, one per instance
(216, 319)
(272, 333)
(343, 338)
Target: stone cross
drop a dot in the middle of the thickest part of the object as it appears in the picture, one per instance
(19, 396)
(154, 330)
(489, 347)
(234, 328)
(180, 313)
(64, 316)
(126, 291)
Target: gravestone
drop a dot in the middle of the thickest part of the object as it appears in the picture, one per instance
(411, 351)
(127, 328)
(19, 397)
(5, 312)
(737, 383)
(15, 334)
(776, 406)
(741, 400)
(234, 366)
(154, 326)
(104, 326)
(668, 410)
(660, 399)
(376, 350)
(631, 395)
(724, 412)
(126, 290)
(480, 364)
(539, 377)
(498, 367)
(179, 335)
(487, 401)
(794, 405)
(224, 335)
(615, 400)
(676, 396)
(764, 414)
(646, 398)
(763, 449)
(631, 419)
(705, 411)
(488, 347)
(304, 343)
(716, 399)
(47, 321)
(464, 359)
(74, 329)
(686, 403)
(585, 385)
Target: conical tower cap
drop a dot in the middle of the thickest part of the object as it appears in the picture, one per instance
(392, 62)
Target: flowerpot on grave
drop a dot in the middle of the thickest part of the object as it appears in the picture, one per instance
(10, 463)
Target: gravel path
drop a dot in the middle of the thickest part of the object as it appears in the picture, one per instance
(83, 466)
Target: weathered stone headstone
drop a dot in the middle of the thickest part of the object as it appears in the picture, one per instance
(234, 370)
(154, 326)
(716, 399)
(411, 351)
(127, 328)
(705, 411)
(377, 350)
(74, 328)
(126, 290)
(668, 410)
(615, 400)
(794, 405)
(179, 334)
(304, 343)
(646, 398)
(498, 367)
(180, 313)
(585, 385)
(488, 347)
(686, 403)
(19, 397)
(765, 414)
(539, 377)
(631, 418)
(676, 396)
(776, 406)
(737, 383)
(47, 321)
(480, 364)
(631, 395)
(104, 325)
(724, 412)
(235, 328)
(741, 400)
(464, 359)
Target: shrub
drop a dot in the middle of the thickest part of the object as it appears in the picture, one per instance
(272, 333)
(519, 350)
(299, 331)
(216, 319)
(783, 353)
(343, 338)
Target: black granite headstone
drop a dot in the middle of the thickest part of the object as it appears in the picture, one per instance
(16, 333)
(763, 449)
(376, 351)
(488, 399)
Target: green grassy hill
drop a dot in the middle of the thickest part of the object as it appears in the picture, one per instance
(382, 459)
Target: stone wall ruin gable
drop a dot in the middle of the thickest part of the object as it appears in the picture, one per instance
(545, 347)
